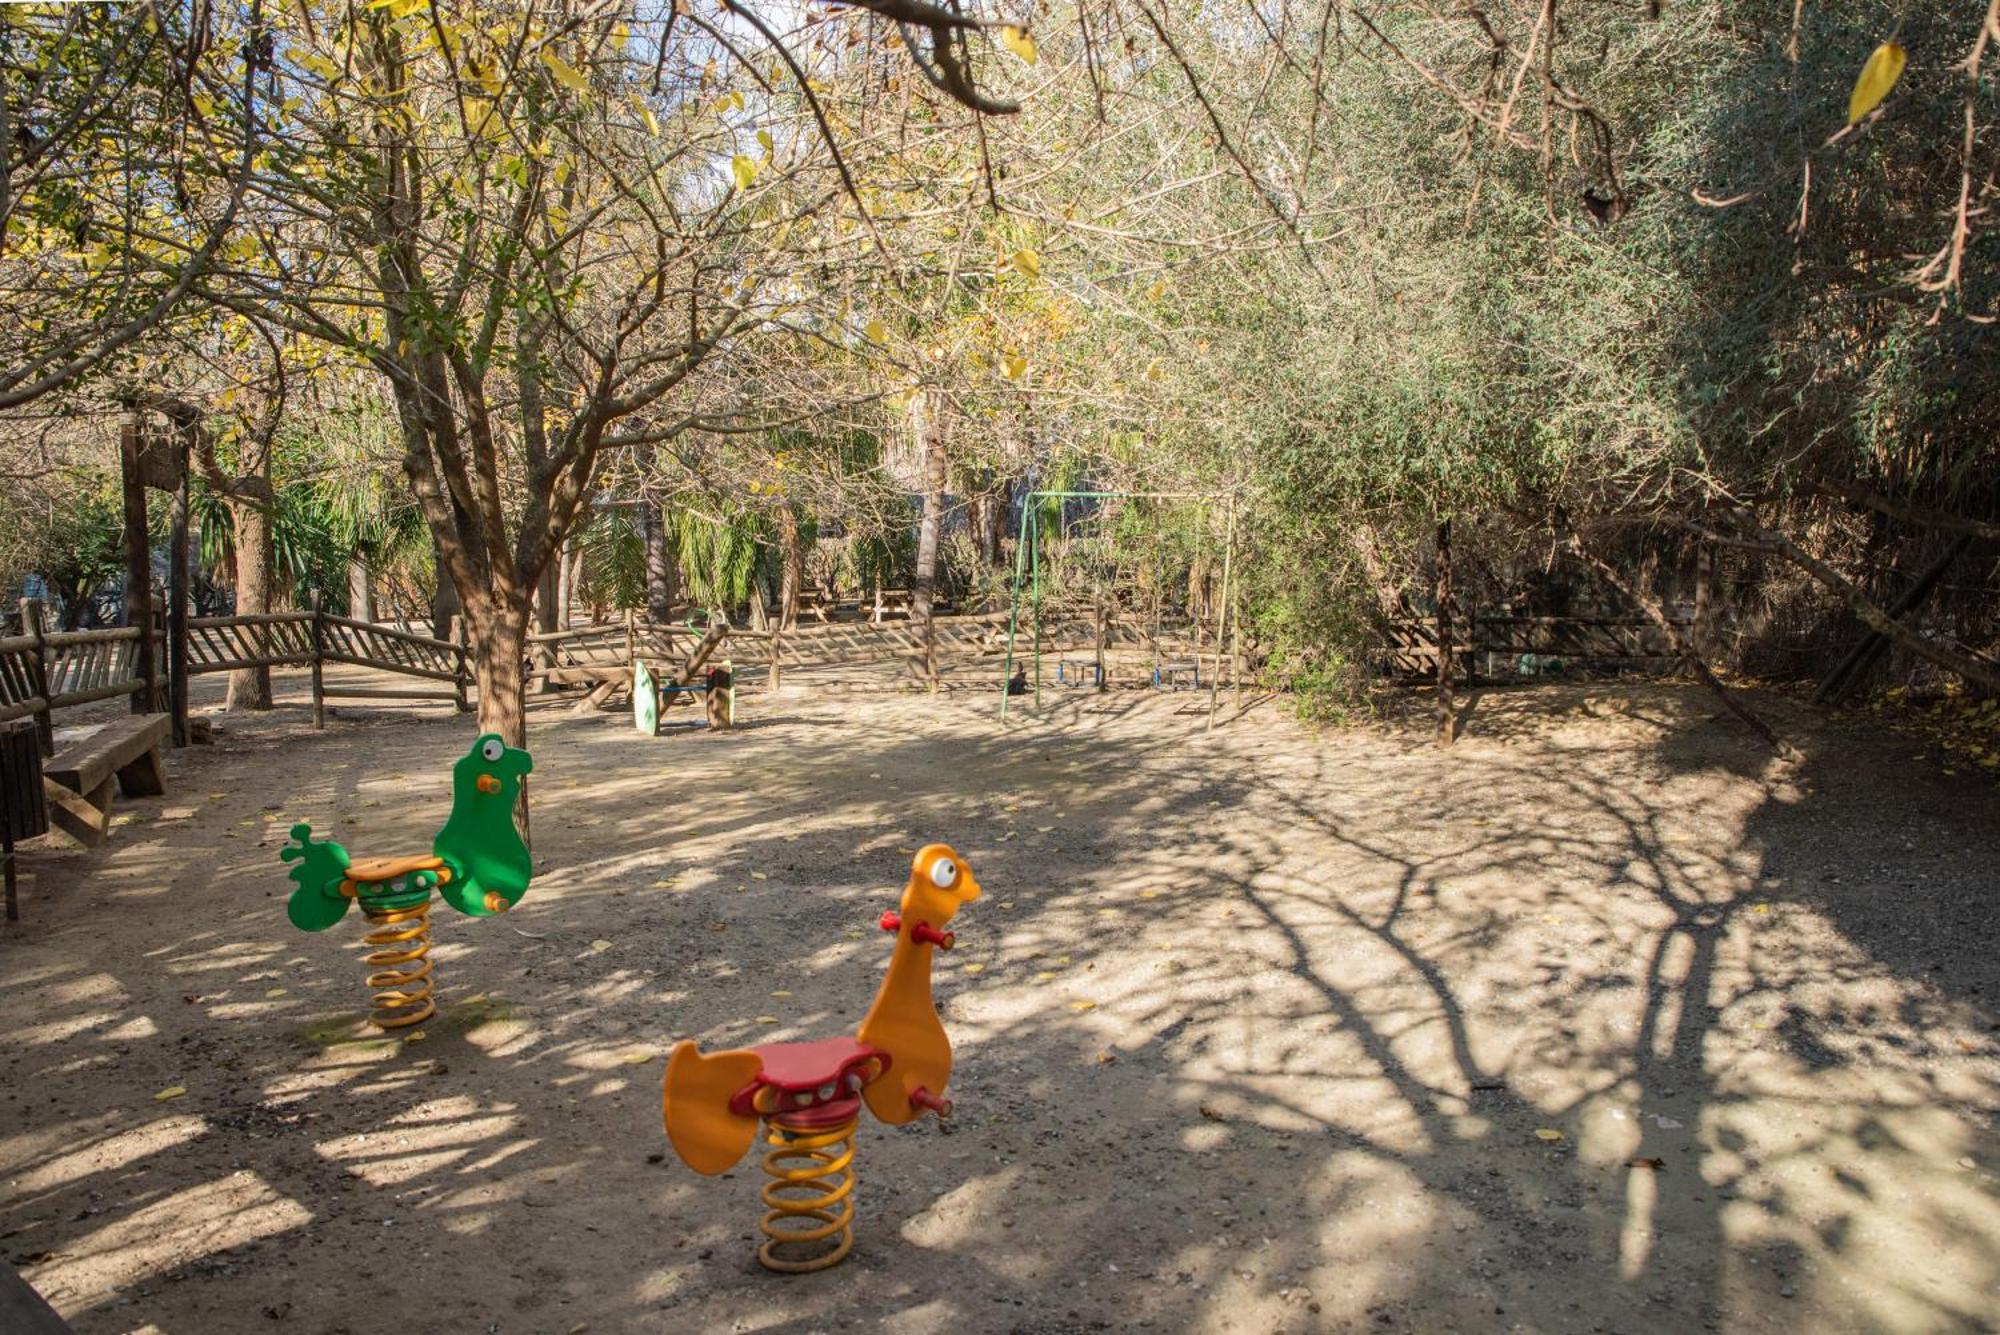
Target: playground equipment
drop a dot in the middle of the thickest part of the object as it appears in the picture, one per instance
(477, 863)
(651, 695)
(808, 1096)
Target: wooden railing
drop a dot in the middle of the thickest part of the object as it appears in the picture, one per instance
(1507, 647)
(43, 671)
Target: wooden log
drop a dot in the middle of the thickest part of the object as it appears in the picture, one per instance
(386, 693)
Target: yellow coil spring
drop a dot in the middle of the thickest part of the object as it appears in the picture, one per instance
(401, 962)
(811, 1214)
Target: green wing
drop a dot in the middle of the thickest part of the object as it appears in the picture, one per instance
(317, 904)
(645, 701)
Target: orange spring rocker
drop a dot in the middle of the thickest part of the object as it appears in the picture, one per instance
(808, 1096)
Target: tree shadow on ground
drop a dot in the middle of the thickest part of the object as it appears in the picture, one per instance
(1262, 1029)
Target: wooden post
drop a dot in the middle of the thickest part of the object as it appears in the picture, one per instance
(1447, 707)
(38, 672)
(1222, 612)
(771, 673)
(319, 650)
(138, 562)
(156, 649)
(179, 593)
(631, 640)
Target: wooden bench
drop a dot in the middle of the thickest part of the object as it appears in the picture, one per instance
(77, 778)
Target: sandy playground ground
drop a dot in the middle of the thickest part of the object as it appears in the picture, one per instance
(1603, 1020)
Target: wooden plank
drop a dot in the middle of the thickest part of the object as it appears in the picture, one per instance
(381, 693)
(84, 761)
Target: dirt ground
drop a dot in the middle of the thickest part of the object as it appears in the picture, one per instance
(1602, 1020)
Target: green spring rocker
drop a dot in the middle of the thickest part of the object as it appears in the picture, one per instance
(477, 863)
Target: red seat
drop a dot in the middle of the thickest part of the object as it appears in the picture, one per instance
(797, 1067)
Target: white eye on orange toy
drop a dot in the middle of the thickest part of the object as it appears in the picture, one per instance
(809, 1095)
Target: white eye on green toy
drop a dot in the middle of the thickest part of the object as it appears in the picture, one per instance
(477, 863)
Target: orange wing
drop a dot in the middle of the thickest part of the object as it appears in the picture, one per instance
(695, 1106)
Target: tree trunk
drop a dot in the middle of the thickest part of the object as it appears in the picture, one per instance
(792, 570)
(249, 510)
(498, 640)
(930, 443)
(547, 590)
(566, 586)
(661, 573)
(445, 605)
(360, 588)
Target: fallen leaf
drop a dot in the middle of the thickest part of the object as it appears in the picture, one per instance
(1210, 1113)
(414, 1036)
(974, 968)
(635, 1058)
(1083, 1005)
(767, 1019)
(274, 992)
(781, 992)
(170, 1092)
(759, 876)
(1106, 1057)
(1019, 41)
(1655, 1164)
(1548, 1134)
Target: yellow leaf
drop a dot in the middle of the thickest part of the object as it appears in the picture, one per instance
(274, 991)
(974, 968)
(781, 992)
(1878, 76)
(1548, 1135)
(1015, 367)
(634, 1058)
(1028, 262)
(1083, 1005)
(170, 1092)
(414, 1036)
(764, 138)
(767, 1019)
(736, 98)
(1019, 42)
(599, 946)
(758, 875)
(744, 170)
(876, 333)
(652, 121)
(566, 74)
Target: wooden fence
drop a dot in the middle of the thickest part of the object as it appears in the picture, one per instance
(1509, 648)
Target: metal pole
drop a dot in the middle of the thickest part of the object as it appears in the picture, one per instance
(1014, 605)
(1035, 567)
